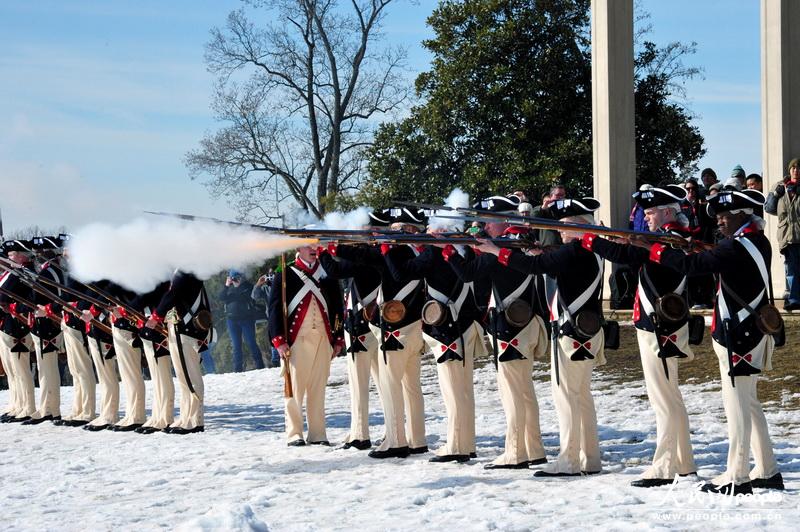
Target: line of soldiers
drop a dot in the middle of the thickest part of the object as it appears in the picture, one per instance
(402, 300)
(104, 330)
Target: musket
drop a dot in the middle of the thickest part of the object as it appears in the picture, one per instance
(482, 215)
(299, 232)
(287, 374)
(28, 303)
(54, 298)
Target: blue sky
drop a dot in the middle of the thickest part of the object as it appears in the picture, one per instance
(99, 100)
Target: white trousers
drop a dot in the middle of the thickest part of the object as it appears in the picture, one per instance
(401, 390)
(360, 367)
(13, 403)
(49, 378)
(20, 363)
(83, 381)
(109, 383)
(162, 414)
(129, 361)
(518, 397)
(458, 393)
(673, 446)
(747, 426)
(191, 403)
(309, 367)
(577, 421)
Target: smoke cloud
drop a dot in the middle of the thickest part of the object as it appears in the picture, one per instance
(143, 253)
(457, 199)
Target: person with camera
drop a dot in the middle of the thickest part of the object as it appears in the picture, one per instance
(577, 335)
(261, 293)
(742, 331)
(782, 202)
(240, 317)
(660, 316)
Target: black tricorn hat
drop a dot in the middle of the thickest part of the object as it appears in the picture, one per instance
(733, 200)
(408, 216)
(564, 208)
(47, 242)
(499, 204)
(18, 245)
(380, 218)
(647, 196)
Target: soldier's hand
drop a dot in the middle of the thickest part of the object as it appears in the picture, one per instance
(87, 316)
(337, 349)
(487, 246)
(40, 312)
(283, 351)
(150, 323)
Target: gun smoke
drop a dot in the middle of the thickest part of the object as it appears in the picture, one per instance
(143, 253)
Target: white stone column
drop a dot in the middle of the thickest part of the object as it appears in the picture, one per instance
(613, 132)
(780, 104)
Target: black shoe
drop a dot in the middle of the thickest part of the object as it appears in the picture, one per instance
(96, 428)
(146, 430)
(325, 443)
(361, 445)
(73, 422)
(651, 482)
(36, 421)
(473, 454)
(775, 482)
(522, 465)
(538, 461)
(397, 452)
(4, 417)
(460, 458)
(182, 431)
(725, 489)
(19, 419)
(126, 428)
(296, 443)
(591, 472)
(418, 450)
(548, 474)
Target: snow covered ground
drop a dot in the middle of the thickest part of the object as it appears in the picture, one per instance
(240, 475)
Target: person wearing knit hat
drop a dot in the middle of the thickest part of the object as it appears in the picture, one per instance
(708, 176)
(781, 203)
(741, 262)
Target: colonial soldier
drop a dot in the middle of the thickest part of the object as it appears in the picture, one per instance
(660, 316)
(395, 322)
(577, 335)
(313, 318)
(741, 318)
(361, 345)
(452, 334)
(155, 344)
(128, 347)
(101, 347)
(517, 335)
(48, 341)
(79, 361)
(185, 310)
(15, 339)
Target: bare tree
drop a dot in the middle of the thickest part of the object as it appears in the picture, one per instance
(299, 101)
